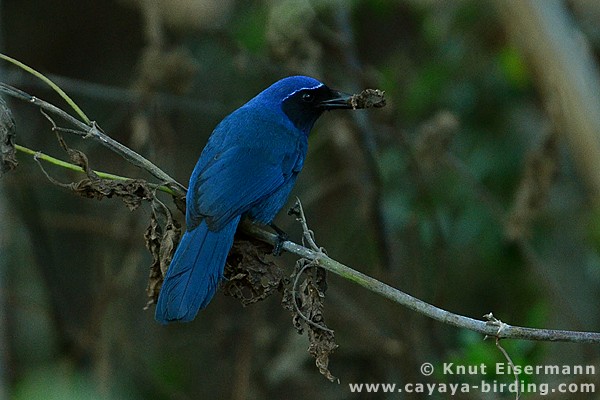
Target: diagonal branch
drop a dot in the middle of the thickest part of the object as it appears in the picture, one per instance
(94, 132)
(426, 309)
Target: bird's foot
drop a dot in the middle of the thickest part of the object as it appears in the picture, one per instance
(281, 238)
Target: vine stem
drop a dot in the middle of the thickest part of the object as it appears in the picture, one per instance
(38, 155)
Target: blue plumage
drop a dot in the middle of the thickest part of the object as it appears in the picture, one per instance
(247, 168)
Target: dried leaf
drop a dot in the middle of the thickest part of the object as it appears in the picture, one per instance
(8, 159)
(368, 98)
(162, 242)
(131, 191)
(152, 237)
(306, 306)
(250, 275)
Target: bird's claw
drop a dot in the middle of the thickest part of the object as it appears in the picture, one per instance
(278, 247)
(282, 237)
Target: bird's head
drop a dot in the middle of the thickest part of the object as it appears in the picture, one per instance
(303, 99)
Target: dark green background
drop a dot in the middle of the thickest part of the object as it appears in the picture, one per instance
(442, 166)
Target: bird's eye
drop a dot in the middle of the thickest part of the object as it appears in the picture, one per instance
(307, 97)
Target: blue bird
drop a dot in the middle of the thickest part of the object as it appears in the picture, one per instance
(247, 168)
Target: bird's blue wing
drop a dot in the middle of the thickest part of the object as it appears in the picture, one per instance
(233, 181)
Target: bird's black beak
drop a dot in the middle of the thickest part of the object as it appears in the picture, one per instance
(338, 100)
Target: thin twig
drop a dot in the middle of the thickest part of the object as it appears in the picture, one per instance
(512, 366)
(308, 234)
(493, 321)
(94, 132)
(38, 155)
(300, 313)
(49, 82)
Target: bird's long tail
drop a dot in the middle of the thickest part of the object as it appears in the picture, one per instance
(192, 278)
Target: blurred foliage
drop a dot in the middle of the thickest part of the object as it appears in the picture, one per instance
(451, 151)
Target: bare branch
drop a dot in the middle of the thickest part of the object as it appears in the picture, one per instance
(94, 132)
(426, 309)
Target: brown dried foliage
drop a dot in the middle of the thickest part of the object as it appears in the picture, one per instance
(368, 98)
(161, 242)
(131, 191)
(8, 159)
(305, 300)
(250, 273)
